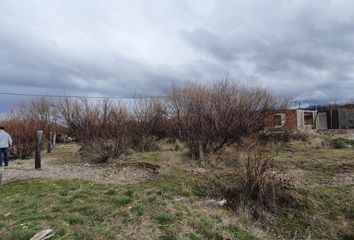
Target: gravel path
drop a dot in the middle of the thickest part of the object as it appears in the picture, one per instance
(97, 173)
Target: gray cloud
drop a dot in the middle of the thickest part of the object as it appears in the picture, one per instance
(303, 49)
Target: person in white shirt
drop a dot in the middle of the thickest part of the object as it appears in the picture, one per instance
(5, 143)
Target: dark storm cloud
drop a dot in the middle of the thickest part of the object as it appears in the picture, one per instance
(303, 49)
(113, 74)
(309, 57)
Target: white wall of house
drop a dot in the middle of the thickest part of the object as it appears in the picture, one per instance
(305, 120)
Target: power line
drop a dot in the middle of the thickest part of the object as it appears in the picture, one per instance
(76, 96)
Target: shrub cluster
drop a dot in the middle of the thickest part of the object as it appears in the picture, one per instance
(208, 118)
(23, 122)
(103, 128)
(256, 184)
(205, 117)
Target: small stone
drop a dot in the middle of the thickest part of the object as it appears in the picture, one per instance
(7, 214)
(221, 202)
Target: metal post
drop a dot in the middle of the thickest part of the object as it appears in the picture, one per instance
(37, 161)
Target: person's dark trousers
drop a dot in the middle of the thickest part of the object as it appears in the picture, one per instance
(4, 152)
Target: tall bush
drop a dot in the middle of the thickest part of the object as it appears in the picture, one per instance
(150, 122)
(211, 117)
(103, 129)
(25, 119)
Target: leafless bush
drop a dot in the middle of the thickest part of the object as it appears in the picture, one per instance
(257, 185)
(41, 110)
(23, 133)
(73, 114)
(103, 129)
(25, 119)
(208, 118)
(150, 123)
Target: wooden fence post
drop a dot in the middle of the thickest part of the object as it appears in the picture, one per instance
(54, 139)
(37, 161)
(50, 143)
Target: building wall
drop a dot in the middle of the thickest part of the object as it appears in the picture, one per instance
(289, 120)
(304, 124)
(346, 118)
(321, 121)
(293, 119)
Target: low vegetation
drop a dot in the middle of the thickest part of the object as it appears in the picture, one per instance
(180, 202)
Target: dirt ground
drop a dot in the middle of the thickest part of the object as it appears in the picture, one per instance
(50, 169)
(99, 174)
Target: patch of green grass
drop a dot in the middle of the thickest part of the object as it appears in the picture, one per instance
(139, 209)
(110, 191)
(236, 233)
(64, 154)
(346, 140)
(36, 205)
(22, 233)
(153, 156)
(165, 219)
(206, 227)
(82, 235)
(86, 209)
(129, 192)
(2, 224)
(319, 209)
(64, 192)
(153, 198)
(193, 237)
(123, 200)
(75, 219)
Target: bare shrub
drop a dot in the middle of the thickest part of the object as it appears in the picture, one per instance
(257, 185)
(150, 123)
(25, 119)
(73, 114)
(23, 133)
(102, 129)
(208, 118)
(41, 110)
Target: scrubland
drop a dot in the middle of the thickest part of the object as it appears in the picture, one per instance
(178, 197)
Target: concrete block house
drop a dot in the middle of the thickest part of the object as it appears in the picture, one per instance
(331, 117)
(292, 119)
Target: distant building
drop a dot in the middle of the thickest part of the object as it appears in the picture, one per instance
(292, 119)
(336, 117)
(331, 117)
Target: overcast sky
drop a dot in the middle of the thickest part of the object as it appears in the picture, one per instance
(301, 48)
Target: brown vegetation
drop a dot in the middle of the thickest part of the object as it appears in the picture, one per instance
(23, 122)
(150, 123)
(102, 129)
(257, 184)
(205, 117)
(211, 117)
